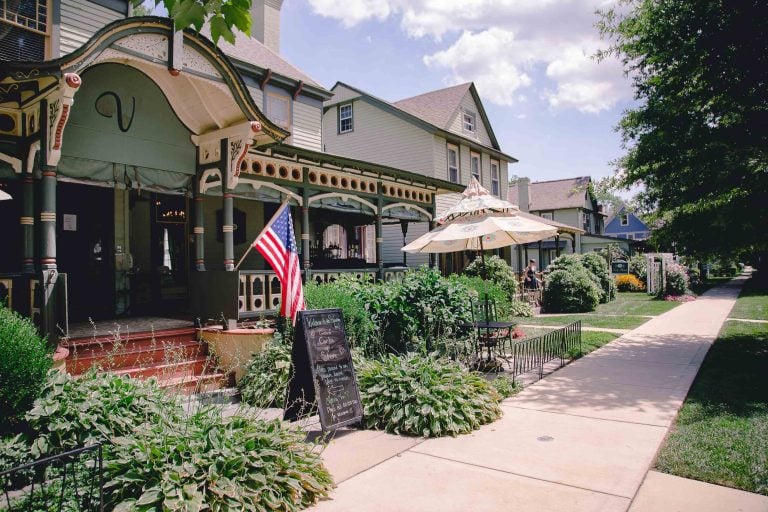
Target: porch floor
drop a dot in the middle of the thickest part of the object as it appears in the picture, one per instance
(126, 325)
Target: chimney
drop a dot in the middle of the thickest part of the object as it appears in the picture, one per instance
(265, 22)
(523, 194)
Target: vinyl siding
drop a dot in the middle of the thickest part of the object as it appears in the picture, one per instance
(307, 125)
(258, 97)
(380, 137)
(481, 132)
(393, 242)
(341, 94)
(81, 19)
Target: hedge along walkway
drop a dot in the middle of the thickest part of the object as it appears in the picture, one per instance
(582, 439)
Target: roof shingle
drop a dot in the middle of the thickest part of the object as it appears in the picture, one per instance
(553, 195)
(436, 107)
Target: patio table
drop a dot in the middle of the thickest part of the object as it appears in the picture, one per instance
(491, 341)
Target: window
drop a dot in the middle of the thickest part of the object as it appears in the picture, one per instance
(474, 165)
(495, 188)
(453, 164)
(279, 109)
(586, 218)
(547, 215)
(468, 122)
(24, 30)
(630, 236)
(624, 219)
(345, 118)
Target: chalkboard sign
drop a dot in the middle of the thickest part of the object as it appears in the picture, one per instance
(619, 267)
(323, 377)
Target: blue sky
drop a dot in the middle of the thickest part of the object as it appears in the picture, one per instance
(551, 105)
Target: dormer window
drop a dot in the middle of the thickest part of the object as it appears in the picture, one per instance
(345, 118)
(624, 219)
(468, 122)
(279, 109)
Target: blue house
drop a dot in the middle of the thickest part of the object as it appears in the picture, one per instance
(625, 224)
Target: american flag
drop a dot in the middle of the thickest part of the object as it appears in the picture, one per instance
(277, 244)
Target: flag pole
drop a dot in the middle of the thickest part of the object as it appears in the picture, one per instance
(266, 226)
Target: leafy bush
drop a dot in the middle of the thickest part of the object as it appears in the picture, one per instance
(565, 262)
(521, 309)
(497, 271)
(597, 265)
(629, 283)
(638, 266)
(677, 279)
(425, 396)
(505, 386)
(267, 374)
(571, 291)
(210, 463)
(24, 361)
(93, 408)
(344, 293)
(479, 288)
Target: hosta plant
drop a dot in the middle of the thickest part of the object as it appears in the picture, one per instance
(267, 375)
(209, 463)
(425, 396)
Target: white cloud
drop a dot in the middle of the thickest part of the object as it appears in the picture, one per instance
(506, 46)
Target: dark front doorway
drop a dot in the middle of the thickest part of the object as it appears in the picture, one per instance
(84, 245)
(159, 248)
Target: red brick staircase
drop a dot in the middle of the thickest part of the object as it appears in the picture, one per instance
(174, 356)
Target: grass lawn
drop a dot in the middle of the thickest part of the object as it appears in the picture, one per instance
(709, 283)
(752, 303)
(591, 340)
(611, 322)
(721, 433)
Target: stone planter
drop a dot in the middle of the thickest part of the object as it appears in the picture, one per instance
(60, 359)
(234, 348)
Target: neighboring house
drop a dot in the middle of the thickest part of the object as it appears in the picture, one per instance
(443, 134)
(568, 201)
(143, 162)
(625, 224)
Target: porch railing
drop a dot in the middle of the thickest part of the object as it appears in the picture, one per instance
(71, 481)
(533, 353)
(260, 291)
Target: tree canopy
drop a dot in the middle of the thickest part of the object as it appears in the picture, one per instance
(223, 16)
(698, 138)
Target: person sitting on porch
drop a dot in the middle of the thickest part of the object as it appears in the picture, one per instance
(530, 282)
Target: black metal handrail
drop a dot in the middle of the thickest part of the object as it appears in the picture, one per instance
(533, 353)
(69, 481)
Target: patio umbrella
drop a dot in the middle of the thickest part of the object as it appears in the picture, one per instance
(480, 221)
(4, 196)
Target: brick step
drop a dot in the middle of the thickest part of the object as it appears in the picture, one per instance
(136, 339)
(188, 385)
(133, 355)
(163, 370)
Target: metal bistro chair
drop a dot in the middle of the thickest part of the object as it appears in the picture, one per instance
(492, 341)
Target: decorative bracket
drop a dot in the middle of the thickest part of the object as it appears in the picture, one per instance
(58, 114)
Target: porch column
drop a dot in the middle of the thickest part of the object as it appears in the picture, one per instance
(404, 229)
(305, 227)
(519, 258)
(573, 244)
(541, 258)
(199, 228)
(48, 219)
(557, 245)
(379, 234)
(27, 224)
(526, 255)
(227, 207)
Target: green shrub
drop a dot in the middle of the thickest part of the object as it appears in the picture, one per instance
(479, 288)
(629, 283)
(598, 266)
(521, 309)
(210, 463)
(638, 266)
(344, 293)
(24, 361)
(425, 396)
(565, 262)
(571, 291)
(677, 280)
(497, 271)
(505, 386)
(92, 408)
(267, 374)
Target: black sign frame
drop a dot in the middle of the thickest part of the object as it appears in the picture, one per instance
(321, 353)
(619, 267)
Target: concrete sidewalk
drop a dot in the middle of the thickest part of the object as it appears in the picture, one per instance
(582, 439)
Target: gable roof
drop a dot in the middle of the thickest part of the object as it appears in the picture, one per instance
(252, 51)
(555, 194)
(419, 110)
(624, 209)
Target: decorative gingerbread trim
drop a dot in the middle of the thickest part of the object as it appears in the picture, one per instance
(58, 115)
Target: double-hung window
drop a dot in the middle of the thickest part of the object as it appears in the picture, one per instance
(474, 165)
(453, 164)
(546, 215)
(624, 219)
(495, 186)
(279, 109)
(468, 122)
(24, 30)
(587, 219)
(345, 118)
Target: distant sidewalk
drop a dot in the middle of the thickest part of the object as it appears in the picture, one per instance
(582, 439)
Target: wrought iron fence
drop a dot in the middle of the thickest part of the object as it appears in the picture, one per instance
(533, 353)
(68, 482)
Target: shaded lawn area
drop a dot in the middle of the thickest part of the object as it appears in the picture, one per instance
(706, 284)
(590, 340)
(752, 303)
(611, 322)
(636, 303)
(721, 433)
